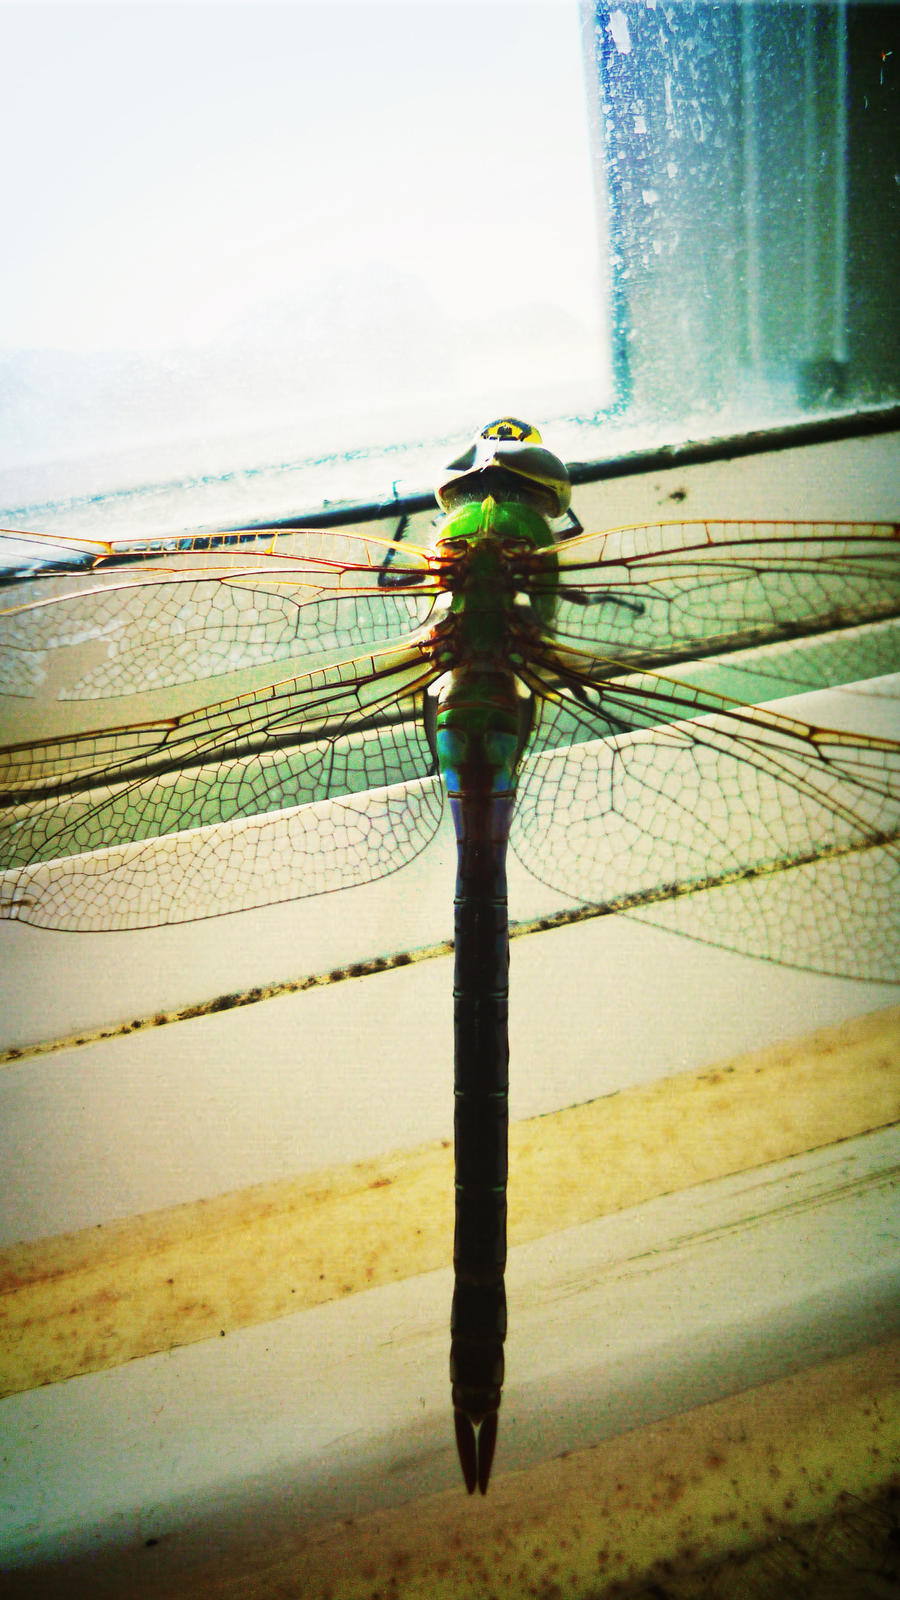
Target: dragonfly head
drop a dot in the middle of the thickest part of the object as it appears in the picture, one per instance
(508, 461)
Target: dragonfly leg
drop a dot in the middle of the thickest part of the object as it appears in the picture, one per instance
(397, 580)
(577, 597)
(572, 528)
(590, 695)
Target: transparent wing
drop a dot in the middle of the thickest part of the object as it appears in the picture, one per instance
(673, 592)
(234, 785)
(261, 765)
(671, 790)
(667, 788)
(870, 653)
(82, 621)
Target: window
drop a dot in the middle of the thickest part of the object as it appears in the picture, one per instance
(263, 249)
(267, 256)
(745, 156)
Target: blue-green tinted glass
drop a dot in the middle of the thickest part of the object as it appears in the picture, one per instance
(746, 166)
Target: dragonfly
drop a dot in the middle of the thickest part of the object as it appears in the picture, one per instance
(550, 685)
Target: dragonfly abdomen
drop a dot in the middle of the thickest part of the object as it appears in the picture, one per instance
(481, 1085)
(480, 728)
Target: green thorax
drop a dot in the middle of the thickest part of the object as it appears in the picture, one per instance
(489, 541)
(483, 715)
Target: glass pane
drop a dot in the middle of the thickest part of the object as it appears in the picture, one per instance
(745, 160)
(253, 247)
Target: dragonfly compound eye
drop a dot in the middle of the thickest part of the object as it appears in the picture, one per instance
(508, 461)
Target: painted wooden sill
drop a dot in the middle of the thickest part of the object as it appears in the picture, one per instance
(94, 1299)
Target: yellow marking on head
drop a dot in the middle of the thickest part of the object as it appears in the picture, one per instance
(510, 428)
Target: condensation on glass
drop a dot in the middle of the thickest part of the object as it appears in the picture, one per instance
(746, 163)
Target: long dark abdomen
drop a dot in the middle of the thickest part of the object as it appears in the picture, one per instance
(481, 1006)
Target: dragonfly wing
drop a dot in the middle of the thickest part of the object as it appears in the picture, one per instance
(82, 622)
(668, 593)
(237, 866)
(238, 788)
(866, 657)
(671, 791)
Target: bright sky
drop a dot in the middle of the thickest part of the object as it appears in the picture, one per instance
(184, 173)
(246, 233)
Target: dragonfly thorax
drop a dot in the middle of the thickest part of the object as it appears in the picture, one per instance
(485, 557)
